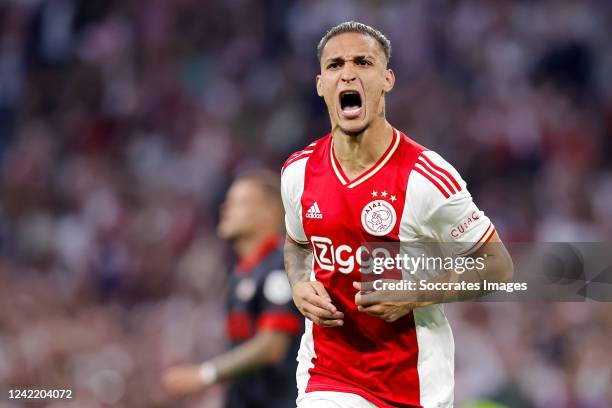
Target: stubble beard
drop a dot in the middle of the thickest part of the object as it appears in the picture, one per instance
(354, 133)
(359, 132)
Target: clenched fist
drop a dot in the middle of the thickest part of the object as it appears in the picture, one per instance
(314, 303)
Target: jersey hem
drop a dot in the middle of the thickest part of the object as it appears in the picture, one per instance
(486, 237)
(317, 385)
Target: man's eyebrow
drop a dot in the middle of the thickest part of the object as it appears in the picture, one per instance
(356, 57)
(335, 59)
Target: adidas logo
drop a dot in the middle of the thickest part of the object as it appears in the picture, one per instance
(314, 212)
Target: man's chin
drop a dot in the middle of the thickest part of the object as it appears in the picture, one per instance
(226, 233)
(230, 234)
(353, 130)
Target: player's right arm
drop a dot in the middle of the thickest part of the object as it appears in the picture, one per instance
(309, 296)
(267, 347)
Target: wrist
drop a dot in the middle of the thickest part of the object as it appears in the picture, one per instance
(208, 373)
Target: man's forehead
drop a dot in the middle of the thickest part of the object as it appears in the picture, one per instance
(347, 45)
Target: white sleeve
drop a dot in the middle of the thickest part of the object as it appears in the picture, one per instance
(292, 187)
(442, 208)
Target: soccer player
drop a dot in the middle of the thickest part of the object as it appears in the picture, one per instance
(366, 181)
(263, 324)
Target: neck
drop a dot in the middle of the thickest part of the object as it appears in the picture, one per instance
(246, 246)
(357, 153)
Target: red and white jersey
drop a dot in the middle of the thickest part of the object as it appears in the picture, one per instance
(409, 362)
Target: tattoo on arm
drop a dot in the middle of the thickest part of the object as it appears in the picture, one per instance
(297, 261)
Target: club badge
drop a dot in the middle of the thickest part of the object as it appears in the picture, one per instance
(378, 217)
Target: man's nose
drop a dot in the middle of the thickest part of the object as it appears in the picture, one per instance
(348, 75)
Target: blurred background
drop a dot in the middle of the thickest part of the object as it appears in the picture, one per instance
(122, 124)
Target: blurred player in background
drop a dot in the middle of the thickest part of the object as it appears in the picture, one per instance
(368, 182)
(262, 321)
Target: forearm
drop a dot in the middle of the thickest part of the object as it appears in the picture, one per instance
(452, 285)
(310, 297)
(266, 348)
(297, 261)
(497, 267)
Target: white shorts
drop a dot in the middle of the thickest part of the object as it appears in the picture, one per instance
(332, 399)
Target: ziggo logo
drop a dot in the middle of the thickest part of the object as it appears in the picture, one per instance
(327, 256)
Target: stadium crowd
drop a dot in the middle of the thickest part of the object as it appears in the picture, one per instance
(123, 122)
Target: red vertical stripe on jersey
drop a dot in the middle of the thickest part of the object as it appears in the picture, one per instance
(441, 170)
(437, 175)
(433, 181)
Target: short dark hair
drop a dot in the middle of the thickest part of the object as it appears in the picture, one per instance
(356, 27)
(268, 180)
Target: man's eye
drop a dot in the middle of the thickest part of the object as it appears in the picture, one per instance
(333, 65)
(363, 62)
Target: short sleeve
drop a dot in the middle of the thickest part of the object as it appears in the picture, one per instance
(442, 208)
(292, 187)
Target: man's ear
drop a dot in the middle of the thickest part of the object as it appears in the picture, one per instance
(319, 85)
(389, 80)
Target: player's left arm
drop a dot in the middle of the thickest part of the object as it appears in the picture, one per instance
(498, 265)
(267, 347)
(444, 213)
(390, 306)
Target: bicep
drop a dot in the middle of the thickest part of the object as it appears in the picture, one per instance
(298, 260)
(496, 257)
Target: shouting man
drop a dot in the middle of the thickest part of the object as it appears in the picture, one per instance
(364, 182)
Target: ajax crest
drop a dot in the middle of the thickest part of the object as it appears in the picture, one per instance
(378, 217)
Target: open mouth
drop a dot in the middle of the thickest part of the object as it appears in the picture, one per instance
(350, 104)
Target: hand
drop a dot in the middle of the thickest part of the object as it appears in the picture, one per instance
(372, 303)
(183, 380)
(313, 301)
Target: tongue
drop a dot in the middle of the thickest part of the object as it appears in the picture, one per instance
(351, 112)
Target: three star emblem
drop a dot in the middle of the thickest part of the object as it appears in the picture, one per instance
(383, 194)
